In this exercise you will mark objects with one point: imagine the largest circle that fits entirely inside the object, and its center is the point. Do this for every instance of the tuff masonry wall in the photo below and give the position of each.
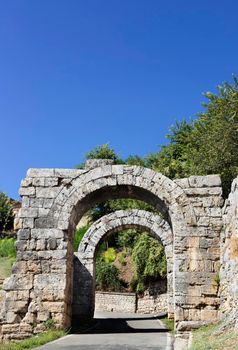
(151, 302)
(229, 259)
(203, 247)
(54, 200)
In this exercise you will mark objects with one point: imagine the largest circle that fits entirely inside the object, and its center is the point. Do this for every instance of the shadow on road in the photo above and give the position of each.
(118, 325)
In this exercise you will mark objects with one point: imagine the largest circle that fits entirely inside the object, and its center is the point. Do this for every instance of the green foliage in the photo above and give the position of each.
(107, 276)
(103, 152)
(109, 255)
(171, 159)
(7, 248)
(136, 160)
(127, 238)
(149, 261)
(140, 287)
(217, 279)
(208, 145)
(6, 215)
(121, 257)
(100, 250)
(6, 268)
(78, 236)
(214, 336)
(49, 324)
(169, 324)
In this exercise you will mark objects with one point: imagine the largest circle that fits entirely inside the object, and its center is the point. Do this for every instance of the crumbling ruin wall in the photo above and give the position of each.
(229, 259)
(53, 201)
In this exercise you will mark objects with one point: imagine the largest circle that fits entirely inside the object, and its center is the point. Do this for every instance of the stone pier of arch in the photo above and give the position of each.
(54, 200)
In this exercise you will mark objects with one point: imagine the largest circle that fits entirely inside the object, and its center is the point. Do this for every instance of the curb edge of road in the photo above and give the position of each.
(170, 337)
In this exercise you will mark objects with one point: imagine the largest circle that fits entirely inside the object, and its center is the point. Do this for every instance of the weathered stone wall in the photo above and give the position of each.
(198, 254)
(229, 258)
(116, 302)
(151, 302)
(154, 300)
(54, 200)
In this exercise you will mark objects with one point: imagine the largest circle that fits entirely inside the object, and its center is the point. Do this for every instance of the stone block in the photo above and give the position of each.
(40, 244)
(33, 172)
(20, 267)
(47, 192)
(26, 255)
(36, 202)
(51, 181)
(38, 181)
(18, 282)
(26, 182)
(41, 233)
(28, 213)
(27, 191)
(45, 222)
(55, 306)
(23, 234)
(43, 316)
(27, 223)
(209, 315)
(26, 328)
(18, 306)
(52, 243)
(205, 181)
(10, 328)
(12, 317)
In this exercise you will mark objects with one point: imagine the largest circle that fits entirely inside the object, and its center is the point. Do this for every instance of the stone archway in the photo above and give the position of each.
(84, 274)
(54, 200)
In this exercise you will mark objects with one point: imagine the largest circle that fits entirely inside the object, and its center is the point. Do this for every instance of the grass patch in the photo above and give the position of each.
(35, 341)
(7, 247)
(212, 338)
(6, 267)
(169, 324)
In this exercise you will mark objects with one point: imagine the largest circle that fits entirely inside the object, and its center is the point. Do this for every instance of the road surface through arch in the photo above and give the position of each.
(117, 331)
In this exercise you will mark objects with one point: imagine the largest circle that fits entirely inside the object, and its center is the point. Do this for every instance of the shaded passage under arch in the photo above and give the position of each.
(84, 263)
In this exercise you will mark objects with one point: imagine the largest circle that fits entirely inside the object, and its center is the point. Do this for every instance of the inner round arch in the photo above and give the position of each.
(154, 225)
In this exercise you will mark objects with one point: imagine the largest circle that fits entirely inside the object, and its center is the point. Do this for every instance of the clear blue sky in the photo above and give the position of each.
(79, 73)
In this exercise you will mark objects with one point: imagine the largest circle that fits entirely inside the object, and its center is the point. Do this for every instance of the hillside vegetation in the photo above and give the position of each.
(214, 337)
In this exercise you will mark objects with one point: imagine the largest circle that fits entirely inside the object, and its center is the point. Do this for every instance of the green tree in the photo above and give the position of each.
(103, 152)
(208, 144)
(149, 261)
(214, 137)
(6, 214)
(171, 160)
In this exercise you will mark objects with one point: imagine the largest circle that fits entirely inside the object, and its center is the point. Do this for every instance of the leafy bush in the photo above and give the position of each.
(107, 276)
(6, 214)
(127, 238)
(109, 255)
(121, 257)
(149, 261)
(100, 250)
(7, 247)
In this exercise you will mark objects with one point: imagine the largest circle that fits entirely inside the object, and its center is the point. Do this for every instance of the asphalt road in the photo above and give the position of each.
(114, 331)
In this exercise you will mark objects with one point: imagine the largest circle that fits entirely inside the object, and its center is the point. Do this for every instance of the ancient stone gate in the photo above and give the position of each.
(54, 200)
(84, 265)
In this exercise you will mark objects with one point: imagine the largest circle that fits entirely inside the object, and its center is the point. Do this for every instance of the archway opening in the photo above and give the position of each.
(130, 222)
